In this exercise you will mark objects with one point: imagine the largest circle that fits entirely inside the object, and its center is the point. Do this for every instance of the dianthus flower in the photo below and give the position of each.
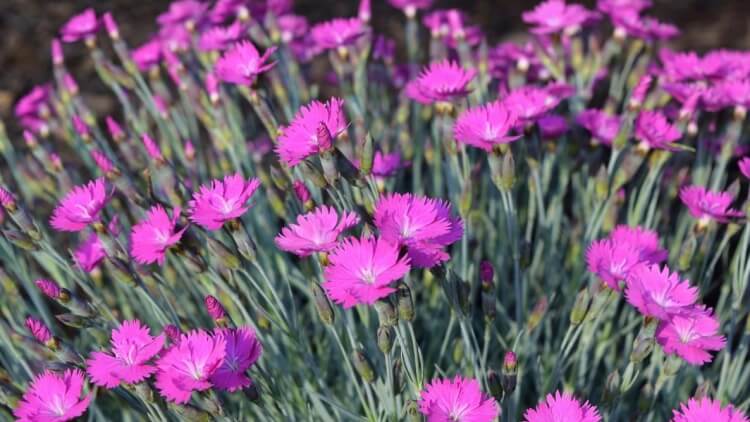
(49, 287)
(316, 231)
(460, 399)
(224, 10)
(612, 261)
(562, 407)
(440, 82)
(659, 293)
(361, 271)
(189, 364)
(181, 12)
(743, 164)
(705, 409)
(54, 397)
(485, 126)
(614, 7)
(629, 22)
(552, 126)
(654, 131)
(452, 26)
(152, 148)
(385, 165)
(151, 238)
(300, 139)
(242, 63)
(691, 335)
(89, 253)
(81, 26)
(338, 32)
(223, 200)
(555, 16)
(80, 207)
(603, 127)
(645, 241)
(242, 351)
(220, 37)
(706, 205)
(147, 55)
(423, 225)
(38, 330)
(132, 348)
(529, 103)
(410, 7)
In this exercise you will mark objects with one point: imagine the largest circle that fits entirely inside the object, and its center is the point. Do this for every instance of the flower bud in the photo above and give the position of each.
(536, 315)
(386, 335)
(486, 272)
(580, 307)
(21, 240)
(223, 254)
(41, 333)
(411, 412)
(364, 12)
(368, 154)
(252, 393)
(405, 303)
(386, 313)
(111, 26)
(363, 366)
(172, 332)
(189, 150)
(687, 250)
(58, 58)
(510, 372)
(495, 385)
(322, 304)
(508, 171)
(114, 129)
(612, 386)
(705, 389)
(52, 290)
(216, 310)
(7, 200)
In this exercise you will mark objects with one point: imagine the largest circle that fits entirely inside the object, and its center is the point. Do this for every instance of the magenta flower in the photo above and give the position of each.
(485, 126)
(614, 7)
(644, 240)
(181, 12)
(705, 409)
(743, 164)
(102, 161)
(440, 82)
(460, 399)
(423, 225)
(148, 55)
(34, 103)
(81, 26)
(336, 33)
(385, 165)
(220, 37)
(659, 293)
(54, 397)
(603, 127)
(562, 407)
(612, 261)
(301, 191)
(189, 364)
(242, 351)
(300, 139)
(39, 330)
(150, 239)
(554, 16)
(410, 7)
(361, 271)
(152, 148)
(552, 126)
(631, 23)
(90, 253)
(114, 129)
(222, 200)
(242, 63)
(132, 348)
(654, 131)
(691, 335)
(80, 207)
(316, 231)
(529, 103)
(706, 205)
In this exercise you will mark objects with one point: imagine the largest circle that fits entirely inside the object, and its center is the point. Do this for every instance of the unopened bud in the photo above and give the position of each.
(368, 154)
(363, 366)
(405, 303)
(252, 393)
(386, 335)
(495, 385)
(580, 307)
(508, 171)
(111, 26)
(704, 390)
(486, 272)
(52, 290)
(411, 412)
(216, 310)
(40, 332)
(172, 332)
(536, 315)
(322, 304)
(510, 372)
(223, 254)
(612, 385)
(687, 250)
(386, 313)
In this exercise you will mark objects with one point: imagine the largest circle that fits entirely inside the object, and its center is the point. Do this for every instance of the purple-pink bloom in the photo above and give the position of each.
(114, 129)
(34, 103)
(80, 207)
(460, 399)
(54, 397)
(242, 63)
(743, 164)
(706, 205)
(631, 23)
(442, 81)
(152, 148)
(691, 335)
(220, 37)
(410, 7)
(654, 131)
(90, 253)
(603, 127)
(552, 126)
(102, 161)
(659, 293)
(562, 407)
(7, 199)
(181, 12)
(361, 271)
(555, 16)
(300, 139)
(242, 351)
(81, 26)
(111, 25)
(132, 348)
(486, 126)
(339, 32)
(612, 261)
(644, 240)
(316, 231)
(386, 165)
(613, 7)
(223, 200)
(150, 239)
(423, 225)
(529, 103)
(705, 409)
(38, 329)
(147, 55)
(189, 364)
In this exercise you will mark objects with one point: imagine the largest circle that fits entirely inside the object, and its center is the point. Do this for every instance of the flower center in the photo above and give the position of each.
(194, 369)
(367, 275)
(57, 406)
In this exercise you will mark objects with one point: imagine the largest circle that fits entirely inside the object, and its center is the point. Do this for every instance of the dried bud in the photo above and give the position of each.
(216, 310)
(386, 313)
(405, 303)
(704, 389)
(510, 372)
(322, 304)
(386, 335)
(52, 290)
(612, 385)
(363, 366)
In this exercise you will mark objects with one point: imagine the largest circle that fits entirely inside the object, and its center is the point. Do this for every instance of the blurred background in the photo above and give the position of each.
(29, 25)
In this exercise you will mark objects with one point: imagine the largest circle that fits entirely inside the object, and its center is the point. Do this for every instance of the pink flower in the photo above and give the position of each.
(300, 139)
(152, 148)
(54, 397)
(552, 126)
(38, 329)
(242, 350)
(631, 23)
(744, 166)
(659, 293)
(562, 407)
(81, 26)
(111, 25)
(222, 200)
(182, 11)
(460, 399)
(529, 103)
(617, 6)
(485, 126)
(151, 238)
(147, 55)
(50, 288)
(386, 165)
(452, 26)
(33, 103)
(242, 63)
(691, 335)
(189, 364)
(411, 6)
(707, 205)
(361, 271)
(441, 81)
(80, 207)
(220, 37)
(555, 16)
(114, 129)
(132, 348)
(705, 409)
(339, 32)
(423, 225)
(316, 231)
(102, 161)
(603, 127)
(612, 261)
(654, 131)
(644, 240)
